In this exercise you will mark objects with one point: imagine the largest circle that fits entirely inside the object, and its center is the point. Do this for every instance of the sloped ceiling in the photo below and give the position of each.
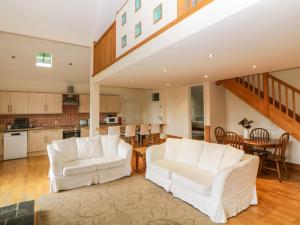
(73, 21)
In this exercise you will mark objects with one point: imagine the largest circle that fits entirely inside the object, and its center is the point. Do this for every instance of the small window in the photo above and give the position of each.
(157, 14)
(124, 18)
(138, 5)
(124, 41)
(44, 60)
(138, 29)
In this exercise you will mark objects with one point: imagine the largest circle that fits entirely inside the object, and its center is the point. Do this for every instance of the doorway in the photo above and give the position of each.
(197, 112)
(130, 112)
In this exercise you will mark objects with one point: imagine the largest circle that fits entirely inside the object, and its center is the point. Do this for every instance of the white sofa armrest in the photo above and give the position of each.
(155, 152)
(235, 179)
(54, 160)
(124, 150)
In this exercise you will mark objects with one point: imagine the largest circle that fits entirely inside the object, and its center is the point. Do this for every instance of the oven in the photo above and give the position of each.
(71, 133)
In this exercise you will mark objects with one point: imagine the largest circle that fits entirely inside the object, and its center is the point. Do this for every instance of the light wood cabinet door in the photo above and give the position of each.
(113, 104)
(103, 104)
(85, 132)
(37, 141)
(53, 135)
(54, 103)
(1, 143)
(84, 103)
(37, 103)
(19, 102)
(4, 102)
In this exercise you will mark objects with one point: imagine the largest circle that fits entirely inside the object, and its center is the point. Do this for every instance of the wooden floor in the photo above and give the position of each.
(279, 203)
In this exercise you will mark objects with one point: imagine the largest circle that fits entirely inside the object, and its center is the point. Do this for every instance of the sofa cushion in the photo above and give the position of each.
(66, 149)
(88, 147)
(164, 168)
(190, 152)
(231, 157)
(211, 157)
(172, 148)
(79, 167)
(197, 180)
(109, 144)
(108, 162)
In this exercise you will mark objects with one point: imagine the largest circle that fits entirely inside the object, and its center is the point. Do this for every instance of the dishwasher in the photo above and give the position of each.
(15, 145)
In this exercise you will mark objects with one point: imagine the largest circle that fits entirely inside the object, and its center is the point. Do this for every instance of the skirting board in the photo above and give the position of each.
(40, 153)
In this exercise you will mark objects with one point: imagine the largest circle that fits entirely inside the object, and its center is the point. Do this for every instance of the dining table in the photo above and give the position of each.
(260, 143)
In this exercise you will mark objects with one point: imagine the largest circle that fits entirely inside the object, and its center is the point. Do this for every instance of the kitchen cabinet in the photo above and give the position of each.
(37, 103)
(84, 104)
(14, 102)
(39, 139)
(45, 103)
(84, 131)
(53, 103)
(113, 103)
(1, 145)
(4, 102)
(110, 104)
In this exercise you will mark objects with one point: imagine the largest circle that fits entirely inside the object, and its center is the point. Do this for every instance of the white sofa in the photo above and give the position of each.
(218, 180)
(77, 162)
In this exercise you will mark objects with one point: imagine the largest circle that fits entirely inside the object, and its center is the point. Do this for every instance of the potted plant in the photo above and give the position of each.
(246, 125)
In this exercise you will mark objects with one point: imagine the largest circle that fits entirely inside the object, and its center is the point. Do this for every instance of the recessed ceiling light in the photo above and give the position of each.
(210, 55)
(205, 76)
(70, 64)
(167, 84)
(165, 70)
(254, 66)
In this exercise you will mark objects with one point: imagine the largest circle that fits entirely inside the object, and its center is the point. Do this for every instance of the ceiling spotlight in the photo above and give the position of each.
(210, 55)
(168, 85)
(205, 76)
(254, 66)
(70, 64)
(165, 70)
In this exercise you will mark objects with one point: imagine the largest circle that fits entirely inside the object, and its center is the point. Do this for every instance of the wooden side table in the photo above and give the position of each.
(140, 153)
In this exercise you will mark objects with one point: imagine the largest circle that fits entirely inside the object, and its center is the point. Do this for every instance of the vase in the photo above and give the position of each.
(246, 133)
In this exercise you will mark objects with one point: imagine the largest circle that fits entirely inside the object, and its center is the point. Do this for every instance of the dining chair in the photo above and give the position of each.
(143, 132)
(278, 156)
(114, 130)
(259, 134)
(154, 131)
(234, 140)
(129, 133)
(220, 135)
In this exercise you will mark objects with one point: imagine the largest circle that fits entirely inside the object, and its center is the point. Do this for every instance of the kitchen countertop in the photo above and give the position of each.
(43, 128)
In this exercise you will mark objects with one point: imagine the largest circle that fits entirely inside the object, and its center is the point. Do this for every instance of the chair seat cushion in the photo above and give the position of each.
(164, 168)
(79, 167)
(197, 180)
(108, 162)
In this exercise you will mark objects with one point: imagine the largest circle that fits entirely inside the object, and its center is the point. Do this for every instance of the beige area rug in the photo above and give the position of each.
(128, 201)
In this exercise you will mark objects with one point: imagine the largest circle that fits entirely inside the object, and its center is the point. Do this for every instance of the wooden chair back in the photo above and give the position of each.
(282, 145)
(220, 135)
(234, 140)
(260, 134)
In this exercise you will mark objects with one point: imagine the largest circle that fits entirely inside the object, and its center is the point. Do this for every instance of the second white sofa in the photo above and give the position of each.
(218, 180)
(77, 162)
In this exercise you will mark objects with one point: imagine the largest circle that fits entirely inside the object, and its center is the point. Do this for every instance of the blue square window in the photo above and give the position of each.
(138, 5)
(138, 29)
(157, 14)
(124, 41)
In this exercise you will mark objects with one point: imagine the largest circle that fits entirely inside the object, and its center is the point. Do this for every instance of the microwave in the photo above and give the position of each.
(111, 119)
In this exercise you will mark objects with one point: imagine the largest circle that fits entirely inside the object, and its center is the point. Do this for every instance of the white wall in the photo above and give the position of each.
(236, 110)
(144, 15)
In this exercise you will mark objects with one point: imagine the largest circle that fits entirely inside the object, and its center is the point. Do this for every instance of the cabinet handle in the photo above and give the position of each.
(8, 108)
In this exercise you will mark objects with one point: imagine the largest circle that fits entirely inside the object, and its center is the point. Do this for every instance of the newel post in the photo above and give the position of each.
(266, 93)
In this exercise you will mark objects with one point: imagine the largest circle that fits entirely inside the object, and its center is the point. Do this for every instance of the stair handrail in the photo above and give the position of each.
(284, 83)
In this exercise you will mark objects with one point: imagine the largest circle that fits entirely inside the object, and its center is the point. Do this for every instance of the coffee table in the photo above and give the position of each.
(140, 153)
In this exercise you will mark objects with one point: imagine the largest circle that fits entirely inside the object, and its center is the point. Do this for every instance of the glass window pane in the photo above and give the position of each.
(124, 18)
(138, 29)
(157, 14)
(138, 5)
(124, 41)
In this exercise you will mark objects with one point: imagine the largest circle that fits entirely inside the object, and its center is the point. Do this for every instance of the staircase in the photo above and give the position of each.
(275, 99)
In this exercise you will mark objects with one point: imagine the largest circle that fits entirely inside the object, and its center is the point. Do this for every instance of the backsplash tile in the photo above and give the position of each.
(69, 117)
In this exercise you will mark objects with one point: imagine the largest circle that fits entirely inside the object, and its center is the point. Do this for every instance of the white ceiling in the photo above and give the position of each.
(265, 34)
(73, 21)
(25, 50)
